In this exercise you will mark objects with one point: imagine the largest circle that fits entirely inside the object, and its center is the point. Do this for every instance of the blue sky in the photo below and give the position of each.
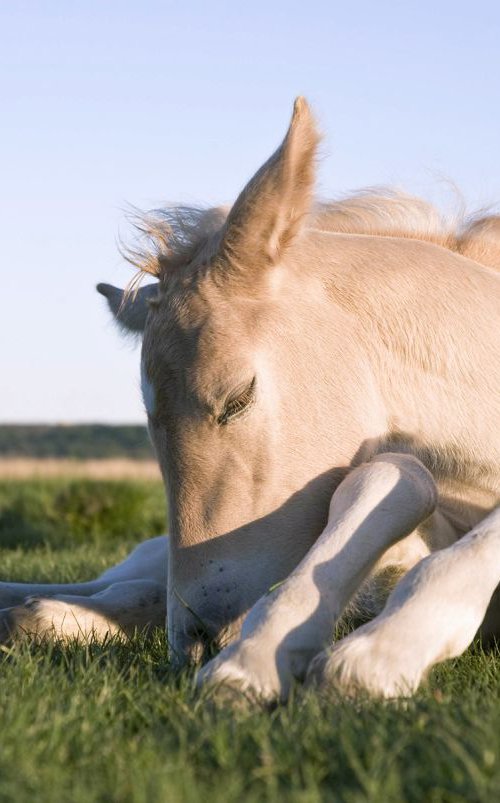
(109, 103)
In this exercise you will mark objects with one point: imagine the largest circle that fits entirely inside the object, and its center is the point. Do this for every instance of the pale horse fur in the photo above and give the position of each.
(292, 351)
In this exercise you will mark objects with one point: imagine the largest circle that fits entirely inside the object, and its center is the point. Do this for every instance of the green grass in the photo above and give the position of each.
(115, 723)
(64, 512)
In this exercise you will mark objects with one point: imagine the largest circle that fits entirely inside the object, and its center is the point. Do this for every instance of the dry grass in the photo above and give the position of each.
(112, 469)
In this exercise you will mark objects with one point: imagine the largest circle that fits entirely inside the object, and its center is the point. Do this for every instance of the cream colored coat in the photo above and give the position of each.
(292, 351)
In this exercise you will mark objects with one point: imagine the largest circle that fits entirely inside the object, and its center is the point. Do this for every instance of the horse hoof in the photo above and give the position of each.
(358, 667)
(230, 677)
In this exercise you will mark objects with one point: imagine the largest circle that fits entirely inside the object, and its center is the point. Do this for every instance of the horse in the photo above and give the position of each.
(321, 382)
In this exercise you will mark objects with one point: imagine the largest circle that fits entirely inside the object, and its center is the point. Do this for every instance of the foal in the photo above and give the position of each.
(322, 390)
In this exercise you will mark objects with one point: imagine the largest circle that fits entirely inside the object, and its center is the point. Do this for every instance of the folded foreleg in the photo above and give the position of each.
(120, 610)
(148, 561)
(433, 614)
(376, 505)
(127, 597)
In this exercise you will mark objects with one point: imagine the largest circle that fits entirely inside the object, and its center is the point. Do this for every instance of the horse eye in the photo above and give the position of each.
(237, 405)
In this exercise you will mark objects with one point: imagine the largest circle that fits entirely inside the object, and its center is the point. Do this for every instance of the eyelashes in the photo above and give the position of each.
(237, 405)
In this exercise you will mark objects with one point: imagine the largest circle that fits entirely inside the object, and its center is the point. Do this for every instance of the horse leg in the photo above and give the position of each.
(146, 561)
(121, 609)
(433, 614)
(375, 506)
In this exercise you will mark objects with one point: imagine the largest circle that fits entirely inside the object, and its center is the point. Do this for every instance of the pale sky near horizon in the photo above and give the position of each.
(105, 104)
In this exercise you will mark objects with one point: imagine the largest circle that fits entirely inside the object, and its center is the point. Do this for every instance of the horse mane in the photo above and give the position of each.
(391, 213)
(172, 237)
(166, 239)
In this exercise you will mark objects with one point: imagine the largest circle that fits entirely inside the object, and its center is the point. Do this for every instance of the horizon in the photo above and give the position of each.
(106, 106)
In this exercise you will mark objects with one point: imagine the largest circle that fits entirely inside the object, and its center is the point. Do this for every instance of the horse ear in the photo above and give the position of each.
(129, 313)
(268, 213)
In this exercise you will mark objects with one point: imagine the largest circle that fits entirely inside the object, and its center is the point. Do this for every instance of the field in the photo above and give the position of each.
(114, 723)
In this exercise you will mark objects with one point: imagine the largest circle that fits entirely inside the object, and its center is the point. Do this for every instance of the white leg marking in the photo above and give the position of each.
(376, 505)
(433, 614)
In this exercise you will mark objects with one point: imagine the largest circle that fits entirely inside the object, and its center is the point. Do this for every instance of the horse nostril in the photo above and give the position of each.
(186, 648)
(199, 644)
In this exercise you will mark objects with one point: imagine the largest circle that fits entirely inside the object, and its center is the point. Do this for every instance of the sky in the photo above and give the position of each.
(106, 104)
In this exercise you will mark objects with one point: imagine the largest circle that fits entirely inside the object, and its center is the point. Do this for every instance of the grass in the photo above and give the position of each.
(115, 723)
(62, 512)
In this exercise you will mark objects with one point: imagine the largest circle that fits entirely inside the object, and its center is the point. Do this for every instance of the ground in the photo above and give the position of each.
(115, 723)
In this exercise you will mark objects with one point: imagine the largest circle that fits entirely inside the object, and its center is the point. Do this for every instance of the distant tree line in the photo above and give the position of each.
(81, 441)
